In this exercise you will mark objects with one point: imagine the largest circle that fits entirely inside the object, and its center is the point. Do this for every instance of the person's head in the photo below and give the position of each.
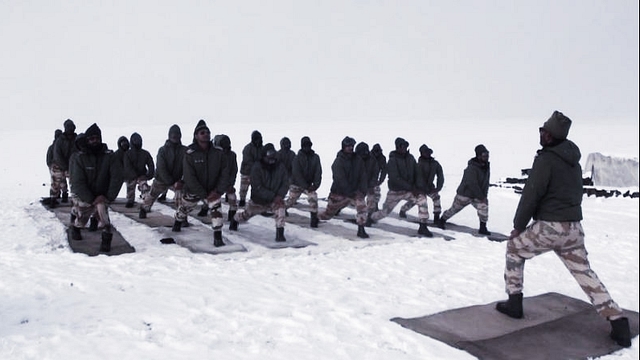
(425, 151)
(136, 141)
(482, 153)
(269, 153)
(69, 126)
(224, 142)
(362, 149)
(285, 143)
(175, 134)
(94, 137)
(555, 130)
(201, 134)
(402, 145)
(376, 150)
(306, 144)
(347, 144)
(256, 138)
(81, 142)
(123, 143)
(56, 134)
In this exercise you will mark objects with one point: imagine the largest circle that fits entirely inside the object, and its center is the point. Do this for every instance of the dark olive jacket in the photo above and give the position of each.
(63, 147)
(402, 171)
(306, 170)
(430, 169)
(204, 171)
(169, 167)
(94, 174)
(251, 154)
(138, 163)
(349, 175)
(475, 180)
(268, 181)
(553, 191)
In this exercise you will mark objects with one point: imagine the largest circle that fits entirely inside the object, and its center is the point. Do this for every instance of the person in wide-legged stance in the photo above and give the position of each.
(473, 189)
(306, 176)
(552, 197)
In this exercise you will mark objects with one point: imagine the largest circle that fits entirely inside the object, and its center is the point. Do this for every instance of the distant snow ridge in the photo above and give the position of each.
(612, 171)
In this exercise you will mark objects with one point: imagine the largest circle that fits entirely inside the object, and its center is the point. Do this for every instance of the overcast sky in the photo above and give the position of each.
(118, 62)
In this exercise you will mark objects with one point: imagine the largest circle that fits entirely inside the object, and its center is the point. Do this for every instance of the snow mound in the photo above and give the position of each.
(612, 171)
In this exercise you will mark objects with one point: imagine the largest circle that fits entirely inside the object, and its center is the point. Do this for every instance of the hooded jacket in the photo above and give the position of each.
(204, 171)
(475, 180)
(138, 162)
(306, 170)
(429, 169)
(95, 173)
(169, 162)
(251, 154)
(268, 181)
(63, 147)
(401, 171)
(553, 191)
(349, 176)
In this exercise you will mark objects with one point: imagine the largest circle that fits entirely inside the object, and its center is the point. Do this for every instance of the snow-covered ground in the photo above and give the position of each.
(330, 301)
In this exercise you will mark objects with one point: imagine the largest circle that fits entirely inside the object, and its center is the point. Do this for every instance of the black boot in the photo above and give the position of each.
(402, 214)
(361, 233)
(369, 221)
(72, 218)
(129, 204)
(483, 229)
(65, 197)
(75, 233)
(162, 197)
(280, 234)
(203, 211)
(620, 332)
(217, 238)
(185, 223)
(93, 224)
(241, 203)
(436, 217)
(53, 202)
(441, 222)
(424, 230)
(177, 226)
(231, 214)
(105, 246)
(143, 213)
(511, 307)
(314, 220)
(233, 224)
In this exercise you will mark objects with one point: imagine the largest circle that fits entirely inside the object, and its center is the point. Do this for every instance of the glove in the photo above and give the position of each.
(178, 185)
(99, 200)
(278, 200)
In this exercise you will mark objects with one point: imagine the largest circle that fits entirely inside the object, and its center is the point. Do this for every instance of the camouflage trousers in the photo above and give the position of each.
(143, 187)
(460, 202)
(338, 202)
(437, 206)
(157, 189)
(373, 199)
(294, 194)
(59, 182)
(394, 197)
(566, 239)
(252, 209)
(189, 201)
(245, 181)
(83, 211)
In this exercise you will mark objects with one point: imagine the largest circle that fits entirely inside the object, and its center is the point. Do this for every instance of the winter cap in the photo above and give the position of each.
(57, 133)
(200, 126)
(93, 130)
(481, 149)
(305, 141)
(376, 148)
(81, 141)
(348, 141)
(401, 142)
(123, 140)
(558, 125)
(175, 129)
(424, 149)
